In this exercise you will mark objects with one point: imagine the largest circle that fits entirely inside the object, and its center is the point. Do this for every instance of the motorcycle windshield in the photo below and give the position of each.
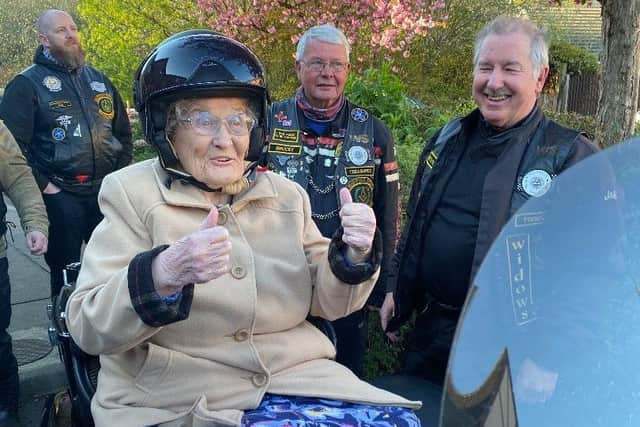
(550, 331)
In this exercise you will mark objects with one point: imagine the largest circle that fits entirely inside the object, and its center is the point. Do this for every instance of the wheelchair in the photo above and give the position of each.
(82, 368)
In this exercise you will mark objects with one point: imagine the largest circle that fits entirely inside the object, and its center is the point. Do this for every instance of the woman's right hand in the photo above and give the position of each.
(197, 258)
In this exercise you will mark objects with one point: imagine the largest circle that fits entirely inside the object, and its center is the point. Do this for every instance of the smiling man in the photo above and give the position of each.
(73, 128)
(472, 176)
(324, 143)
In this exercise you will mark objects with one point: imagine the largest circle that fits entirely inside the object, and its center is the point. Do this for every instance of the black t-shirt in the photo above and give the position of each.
(448, 243)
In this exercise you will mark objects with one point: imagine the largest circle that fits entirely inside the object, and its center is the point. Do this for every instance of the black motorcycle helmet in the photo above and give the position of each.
(197, 64)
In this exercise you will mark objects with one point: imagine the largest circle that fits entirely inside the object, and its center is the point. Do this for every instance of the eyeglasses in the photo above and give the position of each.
(207, 124)
(318, 66)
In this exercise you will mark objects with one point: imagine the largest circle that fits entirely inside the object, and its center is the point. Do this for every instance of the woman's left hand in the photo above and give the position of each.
(359, 225)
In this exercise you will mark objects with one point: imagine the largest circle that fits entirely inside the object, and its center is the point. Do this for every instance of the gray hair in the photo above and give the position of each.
(502, 25)
(326, 33)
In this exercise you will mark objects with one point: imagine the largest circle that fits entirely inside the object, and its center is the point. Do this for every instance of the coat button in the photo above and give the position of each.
(259, 380)
(238, 272)
(222, 218)
(241, 335)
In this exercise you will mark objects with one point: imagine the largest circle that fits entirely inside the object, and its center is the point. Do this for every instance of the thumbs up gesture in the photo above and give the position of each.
(359, 225)
(196, 258)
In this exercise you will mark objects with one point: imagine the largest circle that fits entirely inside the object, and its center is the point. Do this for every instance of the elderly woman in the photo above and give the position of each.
(195, 288)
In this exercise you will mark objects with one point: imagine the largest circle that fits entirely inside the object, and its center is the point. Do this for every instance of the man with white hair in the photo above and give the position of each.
(472, 176)
(323, 142)
(72, 126)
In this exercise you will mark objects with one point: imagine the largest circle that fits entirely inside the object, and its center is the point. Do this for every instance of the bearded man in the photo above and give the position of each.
(73, 128)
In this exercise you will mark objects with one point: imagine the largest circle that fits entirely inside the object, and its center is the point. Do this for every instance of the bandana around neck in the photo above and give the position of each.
(318, 114)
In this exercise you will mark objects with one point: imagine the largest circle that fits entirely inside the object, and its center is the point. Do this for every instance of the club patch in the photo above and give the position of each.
(358, 155)
(287, 136)
(359, 115)
(536, 182)
(361, 190)
(58, 134)
(360, 171)
(98, 86)
(105, 105)
(285, 149)
(60, 104)
(52, 83)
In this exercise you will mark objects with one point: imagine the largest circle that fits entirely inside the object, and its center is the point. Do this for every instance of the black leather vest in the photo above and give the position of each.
(544, 157)
(73, 143)
(353, 158)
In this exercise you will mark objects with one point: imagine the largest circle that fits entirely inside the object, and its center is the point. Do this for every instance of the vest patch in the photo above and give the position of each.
(360, 171)
(282, 135)
(361, 190)
(52, 83)
(286, 149)
(60, 104)
(105, 105)
(431, 159)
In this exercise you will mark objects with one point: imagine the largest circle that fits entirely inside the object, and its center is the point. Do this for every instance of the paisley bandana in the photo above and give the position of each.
(318, 114)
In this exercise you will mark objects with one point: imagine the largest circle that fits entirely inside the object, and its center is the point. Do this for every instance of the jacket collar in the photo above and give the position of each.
(40, 58)
(178, 193)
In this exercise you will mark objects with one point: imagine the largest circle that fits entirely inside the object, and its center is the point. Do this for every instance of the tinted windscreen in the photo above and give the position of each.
(550, 333)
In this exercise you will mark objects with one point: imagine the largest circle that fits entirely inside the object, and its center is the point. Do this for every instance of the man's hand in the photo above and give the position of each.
(387, 311)
(37, 242)
(51, 188)
(359, 225)
(197, 258)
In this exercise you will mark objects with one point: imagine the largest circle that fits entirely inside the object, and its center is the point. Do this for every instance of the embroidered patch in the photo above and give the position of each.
(360, 171)
(105, 105)
(289, 136)
(431, 159)
(60, 104)
(58, 134)
(361, 190)
(360, 139)
(357, 155)
(98, 86)
(286, 149)
(52, 83)
(359, 115)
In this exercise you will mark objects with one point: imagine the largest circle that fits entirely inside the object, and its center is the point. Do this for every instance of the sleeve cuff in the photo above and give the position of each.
(353, 274)
(154, 309)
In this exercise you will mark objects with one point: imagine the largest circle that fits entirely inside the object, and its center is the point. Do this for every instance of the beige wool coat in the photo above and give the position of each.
(246, 332)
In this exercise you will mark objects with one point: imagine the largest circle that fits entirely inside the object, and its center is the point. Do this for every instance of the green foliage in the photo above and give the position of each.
(446, 56)
(19, 34)
(383, 357)
(142, 152)
(578, 60)
(383, 93)
(586, 124)
(119, 33)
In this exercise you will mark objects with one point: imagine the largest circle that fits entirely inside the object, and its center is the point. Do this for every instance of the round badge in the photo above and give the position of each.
(343, 180)
(359, 115)
(358, 155)
(58, 134)
(52, 83)
(536, 182)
